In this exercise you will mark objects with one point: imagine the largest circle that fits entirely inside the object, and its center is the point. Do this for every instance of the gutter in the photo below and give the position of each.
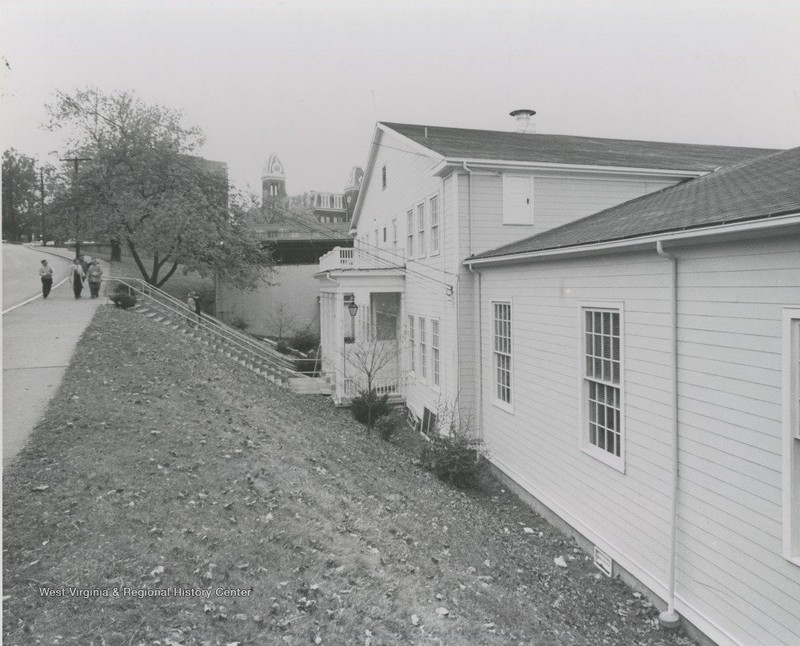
(669, 618)
(583, 168)
(642, 242)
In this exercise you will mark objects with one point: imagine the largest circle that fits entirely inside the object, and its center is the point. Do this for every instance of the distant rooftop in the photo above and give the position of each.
(460, 143)
(752, 190)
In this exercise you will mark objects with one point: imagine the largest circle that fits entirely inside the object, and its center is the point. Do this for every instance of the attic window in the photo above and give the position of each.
(383, 177)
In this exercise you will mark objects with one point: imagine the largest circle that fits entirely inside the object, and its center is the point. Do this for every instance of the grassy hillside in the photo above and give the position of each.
(162, 471)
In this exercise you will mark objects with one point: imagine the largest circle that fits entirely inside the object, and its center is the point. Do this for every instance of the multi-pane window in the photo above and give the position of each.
(383, 177)
(410, 230)
(423, 349)
(434, 209)
(791, 436)
(435, 361)
(603, 393)
(421, 229)
(412, 346)
(502, 352)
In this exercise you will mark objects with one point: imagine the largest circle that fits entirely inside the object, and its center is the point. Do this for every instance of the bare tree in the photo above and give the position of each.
(281, 319)
(370, 361)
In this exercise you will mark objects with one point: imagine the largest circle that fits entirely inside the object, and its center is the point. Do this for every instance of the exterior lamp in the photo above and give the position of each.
(353, 309)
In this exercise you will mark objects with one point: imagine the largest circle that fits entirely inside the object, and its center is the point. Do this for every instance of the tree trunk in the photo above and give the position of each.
(116, 251)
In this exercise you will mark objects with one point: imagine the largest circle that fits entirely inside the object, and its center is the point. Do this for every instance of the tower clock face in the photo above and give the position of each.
(277, 169)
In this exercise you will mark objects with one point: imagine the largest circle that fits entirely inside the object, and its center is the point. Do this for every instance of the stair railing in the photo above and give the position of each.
(236, 340)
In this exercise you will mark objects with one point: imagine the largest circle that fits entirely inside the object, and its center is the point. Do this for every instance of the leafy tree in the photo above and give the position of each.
(143, 186)
(20, 195)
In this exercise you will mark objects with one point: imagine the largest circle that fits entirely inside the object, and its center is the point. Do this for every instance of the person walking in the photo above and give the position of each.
(77, 276)
(95, 277)
(193, 301)
(84, 265)
(46, 274)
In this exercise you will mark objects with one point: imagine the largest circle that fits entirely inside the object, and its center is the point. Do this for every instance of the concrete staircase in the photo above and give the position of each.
(229, 342)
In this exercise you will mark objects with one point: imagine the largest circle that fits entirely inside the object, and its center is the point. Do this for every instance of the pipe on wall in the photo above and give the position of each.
(670, 618)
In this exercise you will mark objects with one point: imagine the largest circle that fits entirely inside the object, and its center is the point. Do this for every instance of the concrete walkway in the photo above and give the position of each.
(39, 339)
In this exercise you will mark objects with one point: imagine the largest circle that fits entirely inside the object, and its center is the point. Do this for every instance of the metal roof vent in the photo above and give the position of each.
(524, 119)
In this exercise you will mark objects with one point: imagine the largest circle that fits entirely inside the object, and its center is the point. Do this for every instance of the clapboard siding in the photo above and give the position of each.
(409, 183)
(733, 581)
(557, 200)
(731, 298)
(541, 438)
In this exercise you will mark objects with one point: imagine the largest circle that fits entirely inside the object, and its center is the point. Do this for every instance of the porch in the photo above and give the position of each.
(361, 334)
(362, 258)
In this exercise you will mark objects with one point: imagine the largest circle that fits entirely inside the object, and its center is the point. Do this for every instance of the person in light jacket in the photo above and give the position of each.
(77, 277)
(46, 274)
(95, 277)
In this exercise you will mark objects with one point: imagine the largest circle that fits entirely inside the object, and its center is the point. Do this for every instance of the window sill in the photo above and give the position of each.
(605, 457)
(504, 406)
(795, 560)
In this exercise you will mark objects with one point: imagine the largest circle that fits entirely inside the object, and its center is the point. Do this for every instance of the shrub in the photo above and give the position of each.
(456, 458)
(304, 340)
(368, 406)
(282, 347)
(387, 425)
(239, 323)
(123, 299)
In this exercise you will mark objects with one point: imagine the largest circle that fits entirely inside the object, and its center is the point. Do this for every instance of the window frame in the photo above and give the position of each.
(394, 232)
(595, 451)
(790, 396)
(422, 249)
(384, 179)
(410, 234)
(412, 346)
(507, 406)
(436, 357)
(422, 342)
(435, 229)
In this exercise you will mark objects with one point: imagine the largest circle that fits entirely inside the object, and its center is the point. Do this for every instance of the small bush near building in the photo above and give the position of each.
(239, 323)
(387, 425)
(282, 347)
(368, 406)
(123, 299)
(455, 458)
(305, 341)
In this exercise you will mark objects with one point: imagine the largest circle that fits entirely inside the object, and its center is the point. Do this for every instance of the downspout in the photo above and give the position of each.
(476, 297)
(469, 211)
(670, 618)
(476, 306)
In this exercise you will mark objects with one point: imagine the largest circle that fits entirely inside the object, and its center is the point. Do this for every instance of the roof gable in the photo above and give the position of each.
(464, 144)
(758, 189)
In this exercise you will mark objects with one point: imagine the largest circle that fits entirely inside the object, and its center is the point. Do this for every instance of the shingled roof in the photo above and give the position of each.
(491, 145)
(759, 189)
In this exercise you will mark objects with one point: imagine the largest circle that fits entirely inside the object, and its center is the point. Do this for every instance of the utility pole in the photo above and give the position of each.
(41, 186)
(76, 161)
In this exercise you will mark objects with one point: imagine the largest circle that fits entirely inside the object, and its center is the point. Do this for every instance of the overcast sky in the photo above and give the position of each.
(308, 80)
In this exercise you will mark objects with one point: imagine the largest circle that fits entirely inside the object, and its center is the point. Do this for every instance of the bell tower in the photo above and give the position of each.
(352, 189)
(273, 179)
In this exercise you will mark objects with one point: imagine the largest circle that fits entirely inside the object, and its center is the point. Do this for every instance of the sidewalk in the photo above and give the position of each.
(38, 341)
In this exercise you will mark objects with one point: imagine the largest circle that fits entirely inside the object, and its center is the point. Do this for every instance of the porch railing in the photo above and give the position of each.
(341, 258)
(388, 385)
